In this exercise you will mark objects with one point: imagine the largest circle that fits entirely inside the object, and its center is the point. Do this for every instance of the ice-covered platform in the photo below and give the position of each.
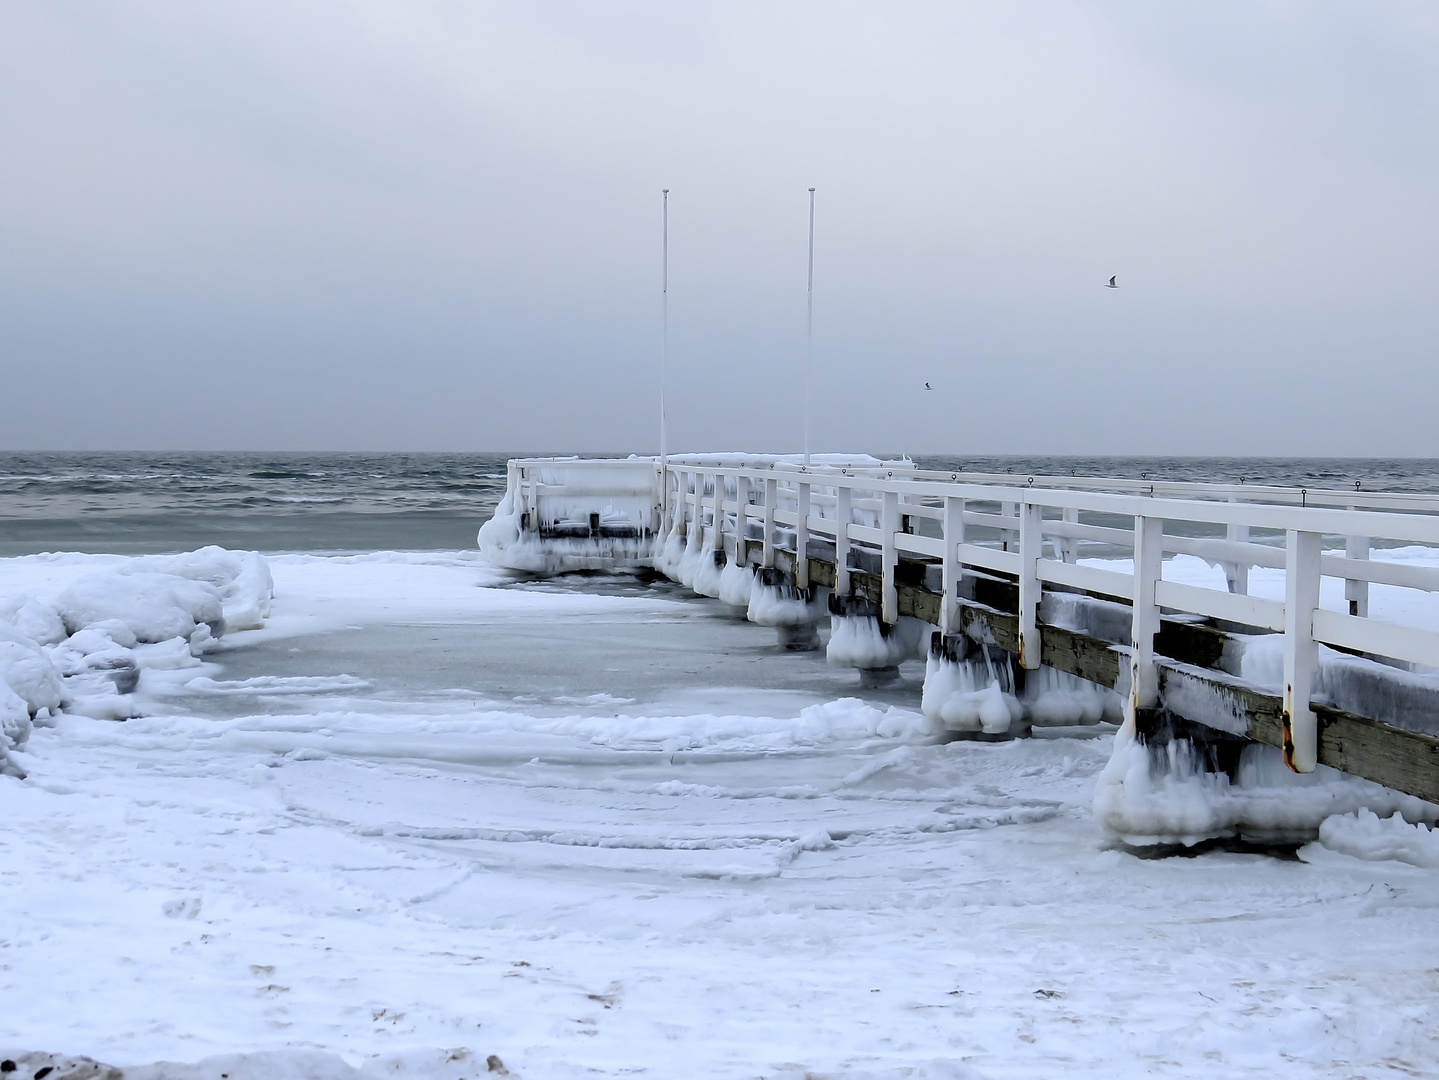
(1212, 621)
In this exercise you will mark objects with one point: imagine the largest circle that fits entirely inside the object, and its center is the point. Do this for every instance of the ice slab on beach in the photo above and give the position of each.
(77, 630)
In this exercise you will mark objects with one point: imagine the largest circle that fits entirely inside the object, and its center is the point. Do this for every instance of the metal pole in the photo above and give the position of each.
(665, 355)
(809, 330)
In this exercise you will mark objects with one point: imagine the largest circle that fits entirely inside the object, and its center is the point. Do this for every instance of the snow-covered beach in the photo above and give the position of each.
(422, 816)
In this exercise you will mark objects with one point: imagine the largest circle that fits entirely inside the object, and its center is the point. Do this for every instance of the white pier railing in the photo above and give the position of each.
(1033, 529)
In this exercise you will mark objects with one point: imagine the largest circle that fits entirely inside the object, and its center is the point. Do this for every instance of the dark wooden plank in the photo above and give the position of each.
(1079, 654)
(1404, 760)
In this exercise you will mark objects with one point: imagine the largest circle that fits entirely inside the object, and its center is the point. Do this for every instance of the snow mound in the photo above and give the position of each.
(1365, 835)
(82, 649)
(153, 607)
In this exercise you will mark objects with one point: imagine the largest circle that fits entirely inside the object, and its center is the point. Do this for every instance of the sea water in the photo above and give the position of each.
(339, 502)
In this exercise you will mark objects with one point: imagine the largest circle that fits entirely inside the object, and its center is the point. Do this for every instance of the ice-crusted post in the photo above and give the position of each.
(1069, 545)
(1356, 592)
(1031, 541)
(741, 518)
(953, 526)
(677, 507)
(771, 496)
(532, 497)
(889, 556)
(692, 538)
(1148, 567)
(843, 514)
(1237, 572)
(717, 514)
(1301, 653)
(801, 540)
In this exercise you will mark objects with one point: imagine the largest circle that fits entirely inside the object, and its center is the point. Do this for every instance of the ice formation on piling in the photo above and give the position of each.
(970, 695)
(1166, 794)
(861, 641)
(736, 584)
(779, 605)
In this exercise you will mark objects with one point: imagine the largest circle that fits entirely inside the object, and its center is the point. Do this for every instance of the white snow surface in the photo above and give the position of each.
(335, 877)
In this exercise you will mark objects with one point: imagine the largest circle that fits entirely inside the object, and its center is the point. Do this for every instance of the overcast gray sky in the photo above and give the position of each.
(436, 225)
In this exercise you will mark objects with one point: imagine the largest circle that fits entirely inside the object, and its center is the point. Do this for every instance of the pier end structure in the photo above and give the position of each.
(1042, 599)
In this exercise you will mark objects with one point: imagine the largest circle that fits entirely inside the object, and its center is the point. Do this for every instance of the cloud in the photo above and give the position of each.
(436, 225)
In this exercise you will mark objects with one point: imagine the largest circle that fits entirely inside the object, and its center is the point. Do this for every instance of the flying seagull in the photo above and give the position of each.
(1112, 283)
(928, 387)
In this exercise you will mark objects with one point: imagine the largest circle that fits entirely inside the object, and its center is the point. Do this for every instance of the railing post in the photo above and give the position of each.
(1357, 592)
(678, 507)
(889, 556)
(1069, 545)
(1301, 653)
(771, 496)
(692, 537)
(741, 518)
(953, 529)
(1006, 536)
(843, 515)
(532, 499)
(1031, 540)
(1237, 573)
(1148, 568)
(717, 515)
(801, 539)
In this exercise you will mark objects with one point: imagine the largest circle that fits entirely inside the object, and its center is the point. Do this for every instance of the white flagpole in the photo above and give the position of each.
(665, 357)
(809, 331)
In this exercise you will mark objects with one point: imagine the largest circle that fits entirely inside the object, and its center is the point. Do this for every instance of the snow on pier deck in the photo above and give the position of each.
(1227, 615)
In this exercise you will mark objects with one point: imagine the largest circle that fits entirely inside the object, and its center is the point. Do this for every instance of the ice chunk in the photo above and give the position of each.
(155, 607)
(1366, 835)
(34, 618)
(83, 649)
(28, 683)
(28, 672)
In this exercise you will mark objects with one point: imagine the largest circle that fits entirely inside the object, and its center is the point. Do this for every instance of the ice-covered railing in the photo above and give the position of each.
(1034, 533)
(562, 514)
(587, 497)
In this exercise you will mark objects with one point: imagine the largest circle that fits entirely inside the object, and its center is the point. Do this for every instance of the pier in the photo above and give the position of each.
(1034, 572)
